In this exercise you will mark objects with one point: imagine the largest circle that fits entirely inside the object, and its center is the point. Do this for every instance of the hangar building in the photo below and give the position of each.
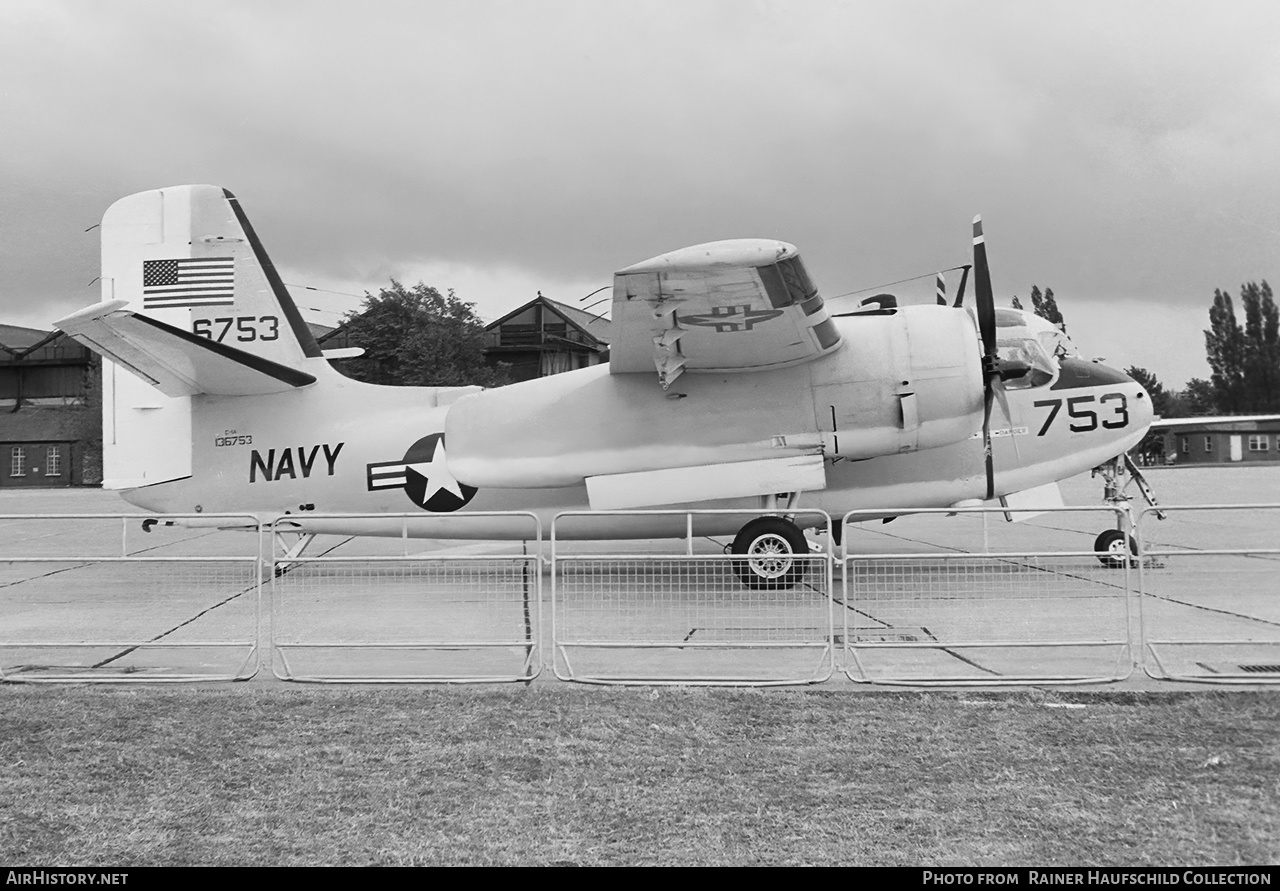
(545, 337)
(50, 410)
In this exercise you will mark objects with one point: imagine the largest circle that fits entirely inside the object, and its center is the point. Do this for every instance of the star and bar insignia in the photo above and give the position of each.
(730, 319)
(424, 475)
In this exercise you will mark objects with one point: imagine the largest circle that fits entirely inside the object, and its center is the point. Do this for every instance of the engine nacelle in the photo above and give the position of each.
(903, 380)
(907, 379)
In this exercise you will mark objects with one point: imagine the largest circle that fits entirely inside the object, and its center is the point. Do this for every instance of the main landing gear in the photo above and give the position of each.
(1116, 548)
(769, 547)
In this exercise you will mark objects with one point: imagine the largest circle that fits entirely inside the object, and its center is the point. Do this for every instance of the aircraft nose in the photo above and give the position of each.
(1141, 414)
(1123, 405)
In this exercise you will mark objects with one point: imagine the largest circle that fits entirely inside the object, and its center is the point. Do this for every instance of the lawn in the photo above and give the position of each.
(554, 774)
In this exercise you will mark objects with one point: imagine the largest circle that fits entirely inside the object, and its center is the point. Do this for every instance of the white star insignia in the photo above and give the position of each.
(436, 473)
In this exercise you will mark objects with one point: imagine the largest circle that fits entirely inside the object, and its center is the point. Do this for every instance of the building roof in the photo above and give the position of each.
(15, 339)
(34, 346)
(597, 326)
(590, 324)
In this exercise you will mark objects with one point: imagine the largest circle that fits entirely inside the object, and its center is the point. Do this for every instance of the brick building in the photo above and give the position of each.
(1224, 440)
(50, 410)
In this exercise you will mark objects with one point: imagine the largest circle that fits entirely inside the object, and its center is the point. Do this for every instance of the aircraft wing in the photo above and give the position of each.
(176, 362)
(1215, 419)
(738, 305)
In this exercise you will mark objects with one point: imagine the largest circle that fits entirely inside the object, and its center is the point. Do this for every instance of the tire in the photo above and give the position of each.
(770, 545)
(1111, 546)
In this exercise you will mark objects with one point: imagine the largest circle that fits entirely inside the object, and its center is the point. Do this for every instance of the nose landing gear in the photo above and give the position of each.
(1116, 548)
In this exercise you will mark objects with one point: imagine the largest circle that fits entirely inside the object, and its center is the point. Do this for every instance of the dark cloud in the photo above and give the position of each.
(1116, 150)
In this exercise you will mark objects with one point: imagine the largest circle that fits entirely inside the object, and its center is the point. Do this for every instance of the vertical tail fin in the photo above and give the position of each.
(189, 257)
(186, 256)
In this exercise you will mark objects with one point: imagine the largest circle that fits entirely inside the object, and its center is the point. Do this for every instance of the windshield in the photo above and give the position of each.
(1026, 341)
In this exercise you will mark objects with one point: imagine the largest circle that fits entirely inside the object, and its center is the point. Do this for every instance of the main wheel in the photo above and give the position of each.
(770, 546)
(1115, 548)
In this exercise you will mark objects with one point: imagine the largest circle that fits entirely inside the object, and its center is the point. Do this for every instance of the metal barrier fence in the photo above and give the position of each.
(378, 613)
(621, 615)
(91, 598)
(1011, 607)
(1210, 581)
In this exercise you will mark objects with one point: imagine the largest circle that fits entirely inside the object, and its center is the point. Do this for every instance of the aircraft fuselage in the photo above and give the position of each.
(342, 446)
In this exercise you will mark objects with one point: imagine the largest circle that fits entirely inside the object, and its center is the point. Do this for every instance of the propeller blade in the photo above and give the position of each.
(986, 442)
(986, 304)
(1002, 399)
(940, 285)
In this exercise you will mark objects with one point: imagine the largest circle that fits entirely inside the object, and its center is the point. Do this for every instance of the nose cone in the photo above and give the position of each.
(1141, 412)
(1123, 407)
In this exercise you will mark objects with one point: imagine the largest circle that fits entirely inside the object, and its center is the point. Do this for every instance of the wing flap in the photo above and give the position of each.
(708, 482)
(177, 362)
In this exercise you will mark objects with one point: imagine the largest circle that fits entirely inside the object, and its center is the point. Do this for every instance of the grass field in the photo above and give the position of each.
(563, 775)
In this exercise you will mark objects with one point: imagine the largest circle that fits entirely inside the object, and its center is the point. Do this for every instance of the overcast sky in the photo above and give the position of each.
(1122, 153)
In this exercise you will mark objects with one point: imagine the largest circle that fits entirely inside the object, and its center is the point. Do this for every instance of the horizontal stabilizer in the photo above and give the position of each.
(177, 362)
(708, 482)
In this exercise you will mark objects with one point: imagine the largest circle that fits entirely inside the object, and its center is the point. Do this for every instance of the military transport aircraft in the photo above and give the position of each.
(729, 385)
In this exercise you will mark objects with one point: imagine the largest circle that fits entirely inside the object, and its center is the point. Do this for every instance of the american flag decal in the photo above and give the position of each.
(199, 281)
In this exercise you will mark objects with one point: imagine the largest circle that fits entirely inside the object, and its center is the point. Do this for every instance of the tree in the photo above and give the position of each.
(1244, 361)
(1046, 307)
(1261, 348)
(1224, 349)
(419, 337)
(1017, 304)
(1198, 398)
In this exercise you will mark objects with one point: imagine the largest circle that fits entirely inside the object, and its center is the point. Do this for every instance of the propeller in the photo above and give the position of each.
(986, 309)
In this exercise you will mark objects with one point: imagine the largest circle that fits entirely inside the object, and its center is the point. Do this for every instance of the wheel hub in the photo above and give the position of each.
(770, 556)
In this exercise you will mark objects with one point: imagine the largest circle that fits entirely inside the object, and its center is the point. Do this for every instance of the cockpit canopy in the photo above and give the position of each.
(1029, 348)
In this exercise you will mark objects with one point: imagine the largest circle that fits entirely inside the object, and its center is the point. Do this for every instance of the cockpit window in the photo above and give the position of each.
(1024, 363)
(1009, 318)
(1026, 341)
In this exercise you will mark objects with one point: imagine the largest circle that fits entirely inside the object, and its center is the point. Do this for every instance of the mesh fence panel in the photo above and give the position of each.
(1210, 584)
(639, 618)
(1046, 613)
(91, 598)
(407, 619)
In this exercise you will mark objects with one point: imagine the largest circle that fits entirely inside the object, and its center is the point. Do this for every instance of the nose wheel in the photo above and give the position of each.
(1115, 547)
(769, 548)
